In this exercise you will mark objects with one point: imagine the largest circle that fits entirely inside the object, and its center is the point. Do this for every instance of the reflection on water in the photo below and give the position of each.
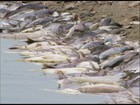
(19, 84)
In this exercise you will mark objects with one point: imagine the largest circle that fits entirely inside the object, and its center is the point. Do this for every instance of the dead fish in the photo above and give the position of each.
(43, 12)
(95, 80)
(67, 26)
(109, 22)
(13, 5)
(33, 53)
(133, 65)
(108, 28)
(3, 11)
(107, 53)
(112, 63)
(117, 31)
(32, 29)
(91, 57)
(100, 88)
(37, 14)
(49, 58)
(133, 44)
(33, 45)
(40, 21)
(13, 29)
(5, 24)
(56, 29)
(14, 23)
(99, 31)
(65, 91)
(68, 70)
(99, 49)
(134, 82)
(3, 6)
(77, 28)
(22, 35)
(78, 38)
(89, 64)
(88, 24)
(113, 39)
(92, 44)
(24, 15)
(117, 60)
(25, 7)
(66, 65)
(27, 20)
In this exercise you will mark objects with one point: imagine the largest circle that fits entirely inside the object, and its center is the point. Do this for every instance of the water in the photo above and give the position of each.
(19, 84)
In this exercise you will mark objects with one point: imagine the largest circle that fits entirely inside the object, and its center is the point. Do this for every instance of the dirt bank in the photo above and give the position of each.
(121, 11)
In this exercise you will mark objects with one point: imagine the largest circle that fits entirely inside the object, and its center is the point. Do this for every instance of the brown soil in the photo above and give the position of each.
(95, 10)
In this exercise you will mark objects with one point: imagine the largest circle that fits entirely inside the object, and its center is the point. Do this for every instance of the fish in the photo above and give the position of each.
(91, 45)
(76, 29)
(89, 64)
(49, 58)
(40, 21)
(115, 50)
(100, 88)
(32, 46)
(68, 70)
(34, 6)
(109, 22)
(95, 80)
(67, 91)
(22, 36)
(117, 60)
(133, 65)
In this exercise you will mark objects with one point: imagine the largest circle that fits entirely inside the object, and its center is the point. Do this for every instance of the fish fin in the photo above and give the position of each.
(115, 83)
(92, 65)
(29, 40)
(61, 74)
(69, 60)
(81, 54)
(11, 48)
(62, 51)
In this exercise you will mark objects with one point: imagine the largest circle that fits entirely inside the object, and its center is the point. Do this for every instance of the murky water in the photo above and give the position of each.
(19, 84)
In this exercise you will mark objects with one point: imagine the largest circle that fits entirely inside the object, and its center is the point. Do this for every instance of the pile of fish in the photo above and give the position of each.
(87, 57)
